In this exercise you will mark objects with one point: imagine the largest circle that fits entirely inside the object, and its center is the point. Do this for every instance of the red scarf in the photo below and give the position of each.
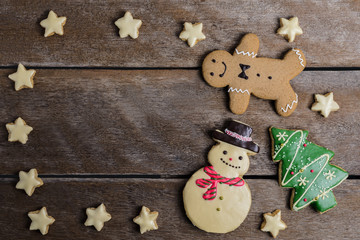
(215, 178)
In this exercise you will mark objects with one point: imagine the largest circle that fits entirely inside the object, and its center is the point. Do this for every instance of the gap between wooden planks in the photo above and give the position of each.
(91, 38)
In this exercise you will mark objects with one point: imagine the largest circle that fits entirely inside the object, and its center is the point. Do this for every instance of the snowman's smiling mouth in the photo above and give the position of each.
(229, 164)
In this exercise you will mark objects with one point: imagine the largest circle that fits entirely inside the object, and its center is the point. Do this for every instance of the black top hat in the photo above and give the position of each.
(238, 134)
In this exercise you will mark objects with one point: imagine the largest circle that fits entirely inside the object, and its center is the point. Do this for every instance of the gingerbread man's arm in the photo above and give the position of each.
(295, 62)
(249, 46)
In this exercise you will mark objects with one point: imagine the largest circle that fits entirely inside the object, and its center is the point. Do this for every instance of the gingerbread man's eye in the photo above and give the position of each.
(224, 152)
(240, 158)
(269, 77)
(213, 60)
(212, 74)
(258, 74)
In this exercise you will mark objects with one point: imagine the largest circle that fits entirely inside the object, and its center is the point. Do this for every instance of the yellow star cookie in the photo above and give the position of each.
(40, 220)
(325, 104)
(273, 223)
(128, 26)
(53, 24)
(29, 181)
(146, 220)
(97, 216)
(23, 78)
(192, 33)
(289, 28)
(18, 131)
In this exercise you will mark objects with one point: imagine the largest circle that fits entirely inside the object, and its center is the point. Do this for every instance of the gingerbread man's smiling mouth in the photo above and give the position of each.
(222, 74)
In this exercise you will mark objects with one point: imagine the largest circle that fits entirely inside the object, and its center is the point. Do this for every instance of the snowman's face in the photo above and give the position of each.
(229, 160)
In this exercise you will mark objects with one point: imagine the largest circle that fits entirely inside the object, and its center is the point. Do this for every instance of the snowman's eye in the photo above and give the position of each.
(240, 158)
(224, 152)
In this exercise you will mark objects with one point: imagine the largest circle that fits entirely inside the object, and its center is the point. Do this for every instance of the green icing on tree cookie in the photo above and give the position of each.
(305, 167)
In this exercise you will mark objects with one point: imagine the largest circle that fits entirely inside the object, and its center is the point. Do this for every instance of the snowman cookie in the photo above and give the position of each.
(216, 198)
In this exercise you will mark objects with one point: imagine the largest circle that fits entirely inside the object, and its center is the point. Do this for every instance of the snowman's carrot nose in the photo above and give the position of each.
(230, 159)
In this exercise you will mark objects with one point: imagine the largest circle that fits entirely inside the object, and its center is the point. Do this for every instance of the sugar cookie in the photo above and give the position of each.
(97, 217)
(23, 78)
(217, 198)
(192, 33)
(325, 104)
(272, 223)
(289, 28)
(18, 131)
(128, 26)
(305, 167)
(146, 220)
(53, 24)
(29, 181)
(40, 220)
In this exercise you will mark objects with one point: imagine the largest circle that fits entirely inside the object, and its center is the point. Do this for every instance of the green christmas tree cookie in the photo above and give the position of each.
(305, 167)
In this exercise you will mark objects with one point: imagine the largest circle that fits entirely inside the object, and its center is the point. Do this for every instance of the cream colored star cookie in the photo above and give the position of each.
(29, 181)
(128, 26)
(53, 24)
(325, 104)
(146, 220)
(18, 131)
(23, 78)
(289, 28)
(97, 217)
(273, 223)
(40, 220)
(192, 33)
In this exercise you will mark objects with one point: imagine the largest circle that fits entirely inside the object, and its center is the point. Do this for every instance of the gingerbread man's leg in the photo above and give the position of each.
(287, 102)
(239, 101)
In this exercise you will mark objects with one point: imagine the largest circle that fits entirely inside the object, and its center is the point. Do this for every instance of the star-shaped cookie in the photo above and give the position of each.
(29, 181)
(53, 24)
(97, 216)
(40, 220)
(18, 131)
(23, 78)
(192, 33)
(128, 26)
(273, 223)
(325, 104)
(289, 28)
(146, 220)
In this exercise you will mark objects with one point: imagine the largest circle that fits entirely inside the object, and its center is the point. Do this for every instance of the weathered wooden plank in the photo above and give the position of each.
(158, 122)
(67, 199)
(91, 39)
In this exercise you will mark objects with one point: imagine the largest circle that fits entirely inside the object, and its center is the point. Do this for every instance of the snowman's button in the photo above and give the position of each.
(221, 197)
(218, 209)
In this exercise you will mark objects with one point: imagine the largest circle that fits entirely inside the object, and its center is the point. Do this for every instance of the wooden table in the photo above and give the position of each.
(126, 122)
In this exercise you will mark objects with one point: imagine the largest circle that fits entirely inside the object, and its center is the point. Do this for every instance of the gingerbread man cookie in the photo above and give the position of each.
(247, 74)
